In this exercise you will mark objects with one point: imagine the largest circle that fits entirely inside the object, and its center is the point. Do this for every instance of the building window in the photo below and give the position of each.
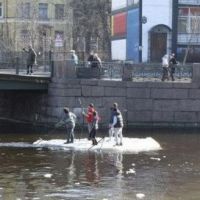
(182, 25)
(1, 10)
(189, 20)
(59, 11)
(43, 11)
(25, 10)
(133, 2)
(24, 34)
(189, 2)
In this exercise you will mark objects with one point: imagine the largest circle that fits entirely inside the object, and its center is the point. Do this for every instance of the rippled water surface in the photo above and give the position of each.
(172, 173)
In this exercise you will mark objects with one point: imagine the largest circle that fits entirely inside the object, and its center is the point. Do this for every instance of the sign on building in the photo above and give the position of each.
(59, 39)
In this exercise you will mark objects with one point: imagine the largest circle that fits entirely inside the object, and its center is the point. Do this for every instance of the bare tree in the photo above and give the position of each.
(92, 22)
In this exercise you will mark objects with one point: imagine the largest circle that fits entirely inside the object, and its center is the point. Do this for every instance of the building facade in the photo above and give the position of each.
(46, 24)
(145, 30)
(188, 31)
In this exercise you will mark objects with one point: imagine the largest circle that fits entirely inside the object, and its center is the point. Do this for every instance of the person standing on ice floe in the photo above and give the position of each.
(69, 119)
(89, 117)
(118, 126)
(94, 127)
(111, 128)
(112, 114)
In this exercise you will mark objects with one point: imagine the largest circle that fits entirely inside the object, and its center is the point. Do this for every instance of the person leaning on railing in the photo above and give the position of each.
(94, 61)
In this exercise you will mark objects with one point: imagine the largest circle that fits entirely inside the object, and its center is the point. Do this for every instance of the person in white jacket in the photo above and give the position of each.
(117, 126)
(165, 66)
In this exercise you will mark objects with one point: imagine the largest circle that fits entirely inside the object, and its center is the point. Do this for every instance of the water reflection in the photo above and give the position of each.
(91, 168)
(170, 174)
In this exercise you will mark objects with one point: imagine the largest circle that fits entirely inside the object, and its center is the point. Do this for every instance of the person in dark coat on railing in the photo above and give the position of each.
(31, 59)
(94, 61)
(97, 61)
(91, 60)
(172, 63)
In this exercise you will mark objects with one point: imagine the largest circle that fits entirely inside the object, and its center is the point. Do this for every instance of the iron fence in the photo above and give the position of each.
(138, 72)
(154, 72)
(16, 63)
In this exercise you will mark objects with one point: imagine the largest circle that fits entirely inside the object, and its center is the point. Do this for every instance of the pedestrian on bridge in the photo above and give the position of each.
(165, 66)
(74, 57)
(31, 59)
(172, 65)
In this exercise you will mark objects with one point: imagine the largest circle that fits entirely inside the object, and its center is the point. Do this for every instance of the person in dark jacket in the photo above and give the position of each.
(91, 60)
(172, 63)
(97, 61)
(112, 114)
(118, 126)
(111, 129)
(94, 60)
(31, 59)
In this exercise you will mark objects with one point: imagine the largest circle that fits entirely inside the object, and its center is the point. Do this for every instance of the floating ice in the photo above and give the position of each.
(48, 175)
(130, 145)
(140, 196)
(131, 171)
(158, 159)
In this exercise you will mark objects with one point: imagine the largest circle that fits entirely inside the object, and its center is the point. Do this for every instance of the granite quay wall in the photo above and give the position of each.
(154, 104)
(143, 104)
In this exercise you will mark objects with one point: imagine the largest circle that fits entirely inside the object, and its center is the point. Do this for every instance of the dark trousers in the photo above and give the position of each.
(92, 136)
(29, 68)
(172, 72)
(70, 134)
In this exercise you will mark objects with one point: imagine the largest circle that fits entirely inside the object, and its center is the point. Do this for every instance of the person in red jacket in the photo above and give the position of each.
(89, 117)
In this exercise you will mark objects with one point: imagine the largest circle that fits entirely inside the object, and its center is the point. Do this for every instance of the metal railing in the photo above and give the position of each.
(15, 63)
(154, 72)
(189, 2)
(138, 72)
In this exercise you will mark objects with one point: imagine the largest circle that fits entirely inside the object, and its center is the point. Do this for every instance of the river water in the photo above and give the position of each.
(172, 173)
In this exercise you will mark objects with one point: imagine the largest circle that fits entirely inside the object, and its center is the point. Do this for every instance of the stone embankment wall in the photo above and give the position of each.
(163, 104)
(155, 104)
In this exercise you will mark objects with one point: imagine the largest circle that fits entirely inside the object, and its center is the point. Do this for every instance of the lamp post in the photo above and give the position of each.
(44, 48)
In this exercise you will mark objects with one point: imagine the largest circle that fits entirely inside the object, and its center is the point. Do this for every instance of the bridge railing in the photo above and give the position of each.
(16, 63)
(138, 72)
(154, 72)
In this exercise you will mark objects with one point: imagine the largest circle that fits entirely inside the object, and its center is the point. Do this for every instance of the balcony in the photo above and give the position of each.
(192, 38)
(189, 2)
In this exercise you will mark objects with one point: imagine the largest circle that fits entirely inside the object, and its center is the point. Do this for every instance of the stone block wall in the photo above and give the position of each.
(142, 103)
(154, 104)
